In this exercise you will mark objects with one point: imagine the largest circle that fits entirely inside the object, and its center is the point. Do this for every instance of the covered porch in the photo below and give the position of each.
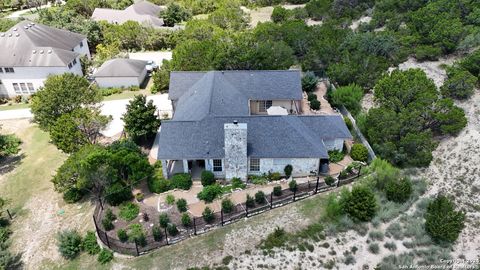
(193, 167)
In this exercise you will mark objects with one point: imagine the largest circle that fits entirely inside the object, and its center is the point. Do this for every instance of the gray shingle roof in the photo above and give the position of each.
(268, 136)
(142, 12)
(121, 67)
(227, 93)
(29, 44)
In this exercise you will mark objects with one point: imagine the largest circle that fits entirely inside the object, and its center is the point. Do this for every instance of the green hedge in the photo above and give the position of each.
(182, 181)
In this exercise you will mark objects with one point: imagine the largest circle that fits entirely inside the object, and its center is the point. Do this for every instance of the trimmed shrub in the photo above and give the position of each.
(280, 14)
(227, 206)
(348, 96)
(398, 191)
(238, 183)
(186, 220)
(139, 197)
(170, 199)
(69, 244)
(210, 193)
(129, 211)
(110, 215)
(315, 105)
(250, 201)
(208, 178)
(361, 203)
(105, 256)
(426, 52)
(442, 222)
(348, 123)
(288, 170)
(359, 152)
(335, 156)
(329, 180)
(122, 235)
(172, 229)
(157, 233)
(208, 215)
(72, 195)
(163, 219)
(136, 234)
(260, 197)
(274, 176)
(374, 248)
(292, 185)
(182, 181)
(182, 205)
(90, 244)
(459, 85)
(159, 185)
(312, 96)
(277, 191)
(309, 82)
(107, 224)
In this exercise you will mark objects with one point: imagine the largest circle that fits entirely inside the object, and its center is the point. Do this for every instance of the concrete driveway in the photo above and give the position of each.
(157, 57)
(115, 108)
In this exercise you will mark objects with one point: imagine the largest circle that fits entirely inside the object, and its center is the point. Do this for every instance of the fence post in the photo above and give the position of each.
(271, 200)
(308, 181)
(166, 236)
(136, 248)
(294, 194)
(194, 227)
(316, 187)
(106, 237)
(221, 214)
(9, 214)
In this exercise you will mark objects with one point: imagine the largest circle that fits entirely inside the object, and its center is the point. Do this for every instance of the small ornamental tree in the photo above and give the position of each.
(69, 244)
(227, 206)
(122, 235)
(398, 190)
(141, 121)
(210, 193)
(260, 197)
(186, 220)
(309, 82)
(208, 215)
(175, 14)
(9, 145)
(361, 203)
(359, 152)
(172, 229)
(315, 105)
(157, 233)
(250, 202)
(208, 178)
(442, 222)
(163, 219)
(329, 180)
(182, 205)
(292, 185)
(288, 170)
(277, 191)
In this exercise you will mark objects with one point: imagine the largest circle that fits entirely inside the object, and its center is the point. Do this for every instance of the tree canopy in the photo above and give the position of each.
(141, 120)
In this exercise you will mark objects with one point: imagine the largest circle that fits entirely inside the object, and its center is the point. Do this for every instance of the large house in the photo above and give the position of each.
(121, 72)
(223, 122)
(29, 52)
(142, 12)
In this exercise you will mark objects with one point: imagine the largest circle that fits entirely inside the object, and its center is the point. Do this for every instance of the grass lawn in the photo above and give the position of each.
(14, 106)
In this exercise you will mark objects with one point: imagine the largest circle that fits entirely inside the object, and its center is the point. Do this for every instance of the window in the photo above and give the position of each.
(263, 105)
(30, 88)
(74, 61)
(217, 165)
(254, 165)
(1, 70)
(9, 70)
(81, 44)
(16, 88)
(69, 65)
(23, 86)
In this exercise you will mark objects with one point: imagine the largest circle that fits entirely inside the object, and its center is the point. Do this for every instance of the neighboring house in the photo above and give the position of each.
(30, 52)
(121, 72)
(217, 126)
(142, 12)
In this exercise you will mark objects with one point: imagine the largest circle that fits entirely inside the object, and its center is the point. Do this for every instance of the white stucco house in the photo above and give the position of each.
(221, 123)
(30, 52)
(142, 12)
(121, 72)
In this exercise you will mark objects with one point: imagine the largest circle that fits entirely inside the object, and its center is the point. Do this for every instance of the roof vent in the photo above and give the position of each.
(17, 34)
(33, 23)
(41, 51)
(15, 29)
(2, 34)
(10, 34)
(34, 51)
(26, 27)
(49, 51)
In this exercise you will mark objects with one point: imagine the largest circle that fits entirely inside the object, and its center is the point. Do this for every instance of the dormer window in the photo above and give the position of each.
(9, 70)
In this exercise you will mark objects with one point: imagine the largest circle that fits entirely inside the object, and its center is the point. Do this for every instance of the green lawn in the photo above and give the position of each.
(14, 106)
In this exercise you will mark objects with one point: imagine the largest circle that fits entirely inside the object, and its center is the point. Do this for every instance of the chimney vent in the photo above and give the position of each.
(235, 122)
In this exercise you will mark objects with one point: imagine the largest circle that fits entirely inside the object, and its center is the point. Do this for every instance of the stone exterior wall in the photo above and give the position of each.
(236, 161)
(301, 166)
(334, 144)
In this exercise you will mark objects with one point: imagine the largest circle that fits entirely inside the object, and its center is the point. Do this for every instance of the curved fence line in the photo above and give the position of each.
(199, 226)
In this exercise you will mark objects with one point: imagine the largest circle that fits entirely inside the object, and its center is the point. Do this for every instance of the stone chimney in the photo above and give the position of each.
(236, 161)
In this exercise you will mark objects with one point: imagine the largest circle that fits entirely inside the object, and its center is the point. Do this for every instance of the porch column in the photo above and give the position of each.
(185, 166)
(208, 166)
(164, 168)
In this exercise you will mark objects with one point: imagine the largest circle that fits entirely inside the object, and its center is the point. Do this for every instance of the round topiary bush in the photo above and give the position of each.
(315, 105)
(227, 206)
(359, 152)
(312, 96)
(163, 219)
(292, 185)
(182, 205)
(182, 181)
(207, 178)
(260, 197)
(288, 170)
(186, 220)
(329, 180)
(122, 235)
(208, 215)
(277, 191)
(210, 193)
(157, 233)
(172, 229)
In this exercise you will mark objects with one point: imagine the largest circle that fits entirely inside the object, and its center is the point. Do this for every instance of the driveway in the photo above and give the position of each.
(115, 108)
(157, 57)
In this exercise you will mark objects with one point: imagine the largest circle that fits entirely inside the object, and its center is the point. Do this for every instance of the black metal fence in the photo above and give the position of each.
(200, 226)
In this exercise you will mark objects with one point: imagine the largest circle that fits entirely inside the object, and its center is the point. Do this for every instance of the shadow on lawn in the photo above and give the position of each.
(8, 164)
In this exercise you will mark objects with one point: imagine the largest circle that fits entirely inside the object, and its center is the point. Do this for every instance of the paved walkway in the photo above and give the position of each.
(115, 108)
(325, 107)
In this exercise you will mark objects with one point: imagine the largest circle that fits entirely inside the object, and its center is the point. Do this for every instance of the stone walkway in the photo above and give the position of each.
(325, 107)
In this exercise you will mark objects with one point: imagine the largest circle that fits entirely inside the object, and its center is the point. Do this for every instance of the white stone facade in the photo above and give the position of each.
(301, 166)
(235, 162)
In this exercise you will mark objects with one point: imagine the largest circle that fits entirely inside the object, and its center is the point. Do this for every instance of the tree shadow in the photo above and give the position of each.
(8, 164)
